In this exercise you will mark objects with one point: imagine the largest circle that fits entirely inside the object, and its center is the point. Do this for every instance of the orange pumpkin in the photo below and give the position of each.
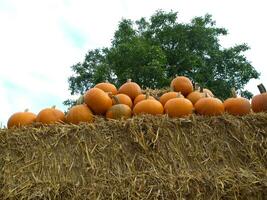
(119, 110)
(21, 119)
(196, 95)
(209, 106)
(178, 107)
(167, 96)
(79, 113)
(50, 116)
(259, 102)
(148, 106)
(142, 97)
(182, 84)
(123, 99)
(107, 87)
(131, 89)
(237, 105)
(97, 100)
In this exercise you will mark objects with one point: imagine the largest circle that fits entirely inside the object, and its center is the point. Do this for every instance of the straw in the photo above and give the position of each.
(145, 157)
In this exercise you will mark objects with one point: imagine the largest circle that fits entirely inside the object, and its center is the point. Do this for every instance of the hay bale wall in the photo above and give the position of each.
(141, 158)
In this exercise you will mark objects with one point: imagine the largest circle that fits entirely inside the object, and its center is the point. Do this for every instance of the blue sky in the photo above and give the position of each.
(40, 40)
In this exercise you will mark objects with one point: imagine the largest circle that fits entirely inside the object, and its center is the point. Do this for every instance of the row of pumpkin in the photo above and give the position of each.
(105, 99)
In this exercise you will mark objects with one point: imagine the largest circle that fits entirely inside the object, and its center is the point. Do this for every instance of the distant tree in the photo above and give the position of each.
(152, 52)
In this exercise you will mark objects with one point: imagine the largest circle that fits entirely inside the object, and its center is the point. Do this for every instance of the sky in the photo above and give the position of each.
(41, 39)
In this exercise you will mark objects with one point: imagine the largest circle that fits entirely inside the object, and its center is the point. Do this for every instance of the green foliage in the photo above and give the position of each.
(94, 69)
(152, 52)
(139, 60)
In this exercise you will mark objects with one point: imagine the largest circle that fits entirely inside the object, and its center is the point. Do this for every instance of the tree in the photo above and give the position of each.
(152, 52)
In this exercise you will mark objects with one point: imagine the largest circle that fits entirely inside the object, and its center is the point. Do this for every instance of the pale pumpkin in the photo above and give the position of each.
(209, 92)
(118, 111)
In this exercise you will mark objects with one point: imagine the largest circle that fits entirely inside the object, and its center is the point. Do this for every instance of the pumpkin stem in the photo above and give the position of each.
(179, 95)
(147, 95)
(201, 89)
(129, 80)
(109, 94)
(196, 86)
(233, 92)
(80, 100)
(207, 95)
(106, 81)
(26, 110)
(261, 87)
(53, 107)
(116, 99)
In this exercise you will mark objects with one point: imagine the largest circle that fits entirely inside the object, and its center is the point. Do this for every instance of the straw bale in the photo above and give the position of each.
(156, 93)
(145, 157)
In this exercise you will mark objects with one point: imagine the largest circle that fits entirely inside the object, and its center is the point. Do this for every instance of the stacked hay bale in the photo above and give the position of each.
(145, 157)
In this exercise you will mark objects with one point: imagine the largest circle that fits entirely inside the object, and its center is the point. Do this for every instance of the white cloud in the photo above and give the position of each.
(35, 57)
(37, 48)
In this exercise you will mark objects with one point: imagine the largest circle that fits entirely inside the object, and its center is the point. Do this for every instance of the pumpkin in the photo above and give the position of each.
(21, 119)
(167, 96)
(131, 89)
(97, 100)
(196, 95)
(209, 106)
(107, 87)
(123, 99)
(142, 97)
(148, 106)
(78, 114)
(237, 105)
(178, 107)
(50, 116)
(207, 91)
(182, 84)
(118, 110)
(259, 102)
